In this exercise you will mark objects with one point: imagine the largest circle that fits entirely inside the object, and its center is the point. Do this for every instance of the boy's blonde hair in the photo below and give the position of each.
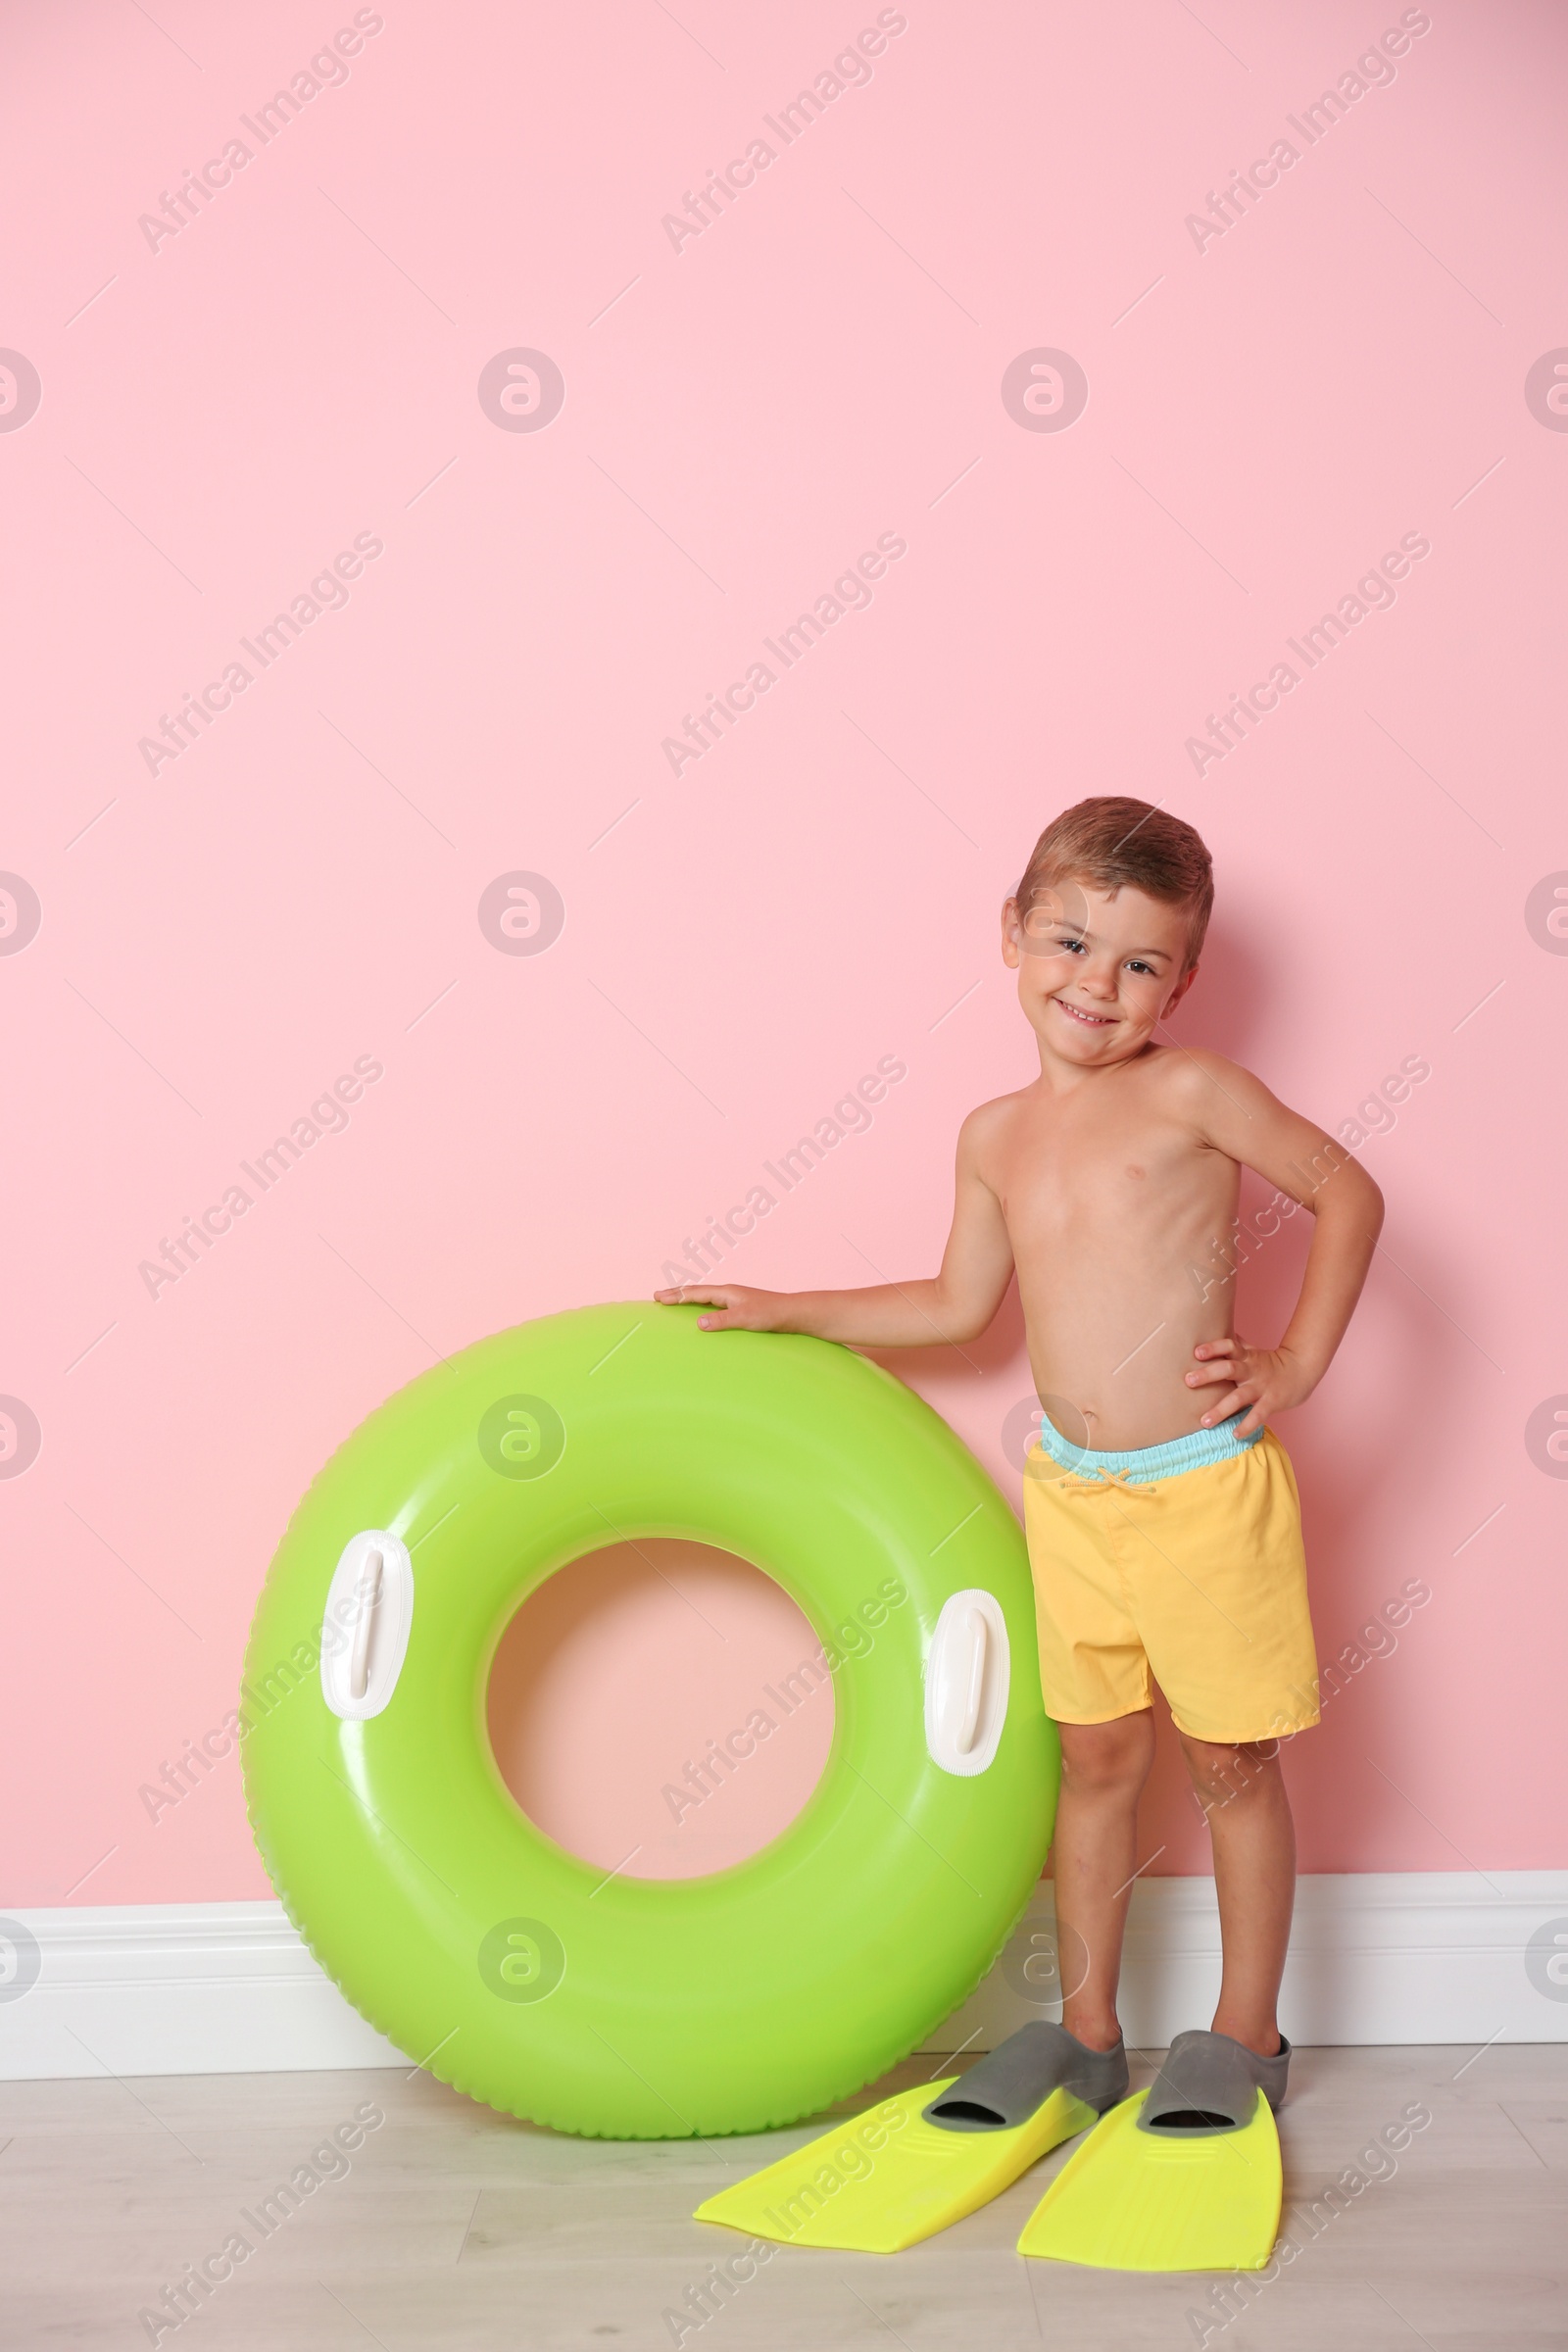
(1116, 843)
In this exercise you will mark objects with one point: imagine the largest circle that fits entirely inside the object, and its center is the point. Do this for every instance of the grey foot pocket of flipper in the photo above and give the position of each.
(1003, 2089)
(1209, 2084)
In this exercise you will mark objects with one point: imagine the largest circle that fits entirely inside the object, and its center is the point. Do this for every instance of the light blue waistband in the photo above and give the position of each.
(1145, 1463)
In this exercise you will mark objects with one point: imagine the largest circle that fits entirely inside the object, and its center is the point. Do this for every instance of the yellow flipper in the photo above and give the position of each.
(1131, 2200)
(885, 2180)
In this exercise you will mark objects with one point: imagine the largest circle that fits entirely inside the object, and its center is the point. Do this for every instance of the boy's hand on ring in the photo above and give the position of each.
(740, 1309)
(1265, 1380)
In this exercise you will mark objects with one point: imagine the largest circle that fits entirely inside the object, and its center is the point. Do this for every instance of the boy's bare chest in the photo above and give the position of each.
(1089, 1171)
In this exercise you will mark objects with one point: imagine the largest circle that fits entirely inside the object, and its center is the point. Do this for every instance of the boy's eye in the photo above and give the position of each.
(1136, 965)
(1071, 946)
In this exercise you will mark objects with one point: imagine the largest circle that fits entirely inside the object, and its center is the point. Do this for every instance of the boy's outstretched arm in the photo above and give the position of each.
(976, 1268)
(1239, 1117)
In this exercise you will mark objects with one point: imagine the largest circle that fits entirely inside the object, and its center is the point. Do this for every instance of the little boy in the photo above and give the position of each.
(1161, 1512)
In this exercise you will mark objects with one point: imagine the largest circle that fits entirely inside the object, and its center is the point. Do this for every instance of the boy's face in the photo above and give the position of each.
(1096, 970)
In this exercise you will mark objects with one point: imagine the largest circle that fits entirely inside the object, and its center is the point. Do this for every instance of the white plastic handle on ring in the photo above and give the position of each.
(975, 1630)
(365, 1630)
(370, 1600)
(968, 1672)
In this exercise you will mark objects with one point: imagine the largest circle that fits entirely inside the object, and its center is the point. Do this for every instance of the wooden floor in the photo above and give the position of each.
(455, 2227)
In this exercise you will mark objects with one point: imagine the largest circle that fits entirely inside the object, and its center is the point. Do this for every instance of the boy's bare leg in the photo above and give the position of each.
(1103, 1768)
(1242, 1792)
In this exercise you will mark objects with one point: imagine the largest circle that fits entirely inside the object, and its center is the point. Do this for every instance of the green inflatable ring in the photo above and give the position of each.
(635, 2008)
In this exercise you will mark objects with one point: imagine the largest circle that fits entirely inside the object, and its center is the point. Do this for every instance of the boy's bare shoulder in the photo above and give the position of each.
(987, 1126)
(1207, 1088)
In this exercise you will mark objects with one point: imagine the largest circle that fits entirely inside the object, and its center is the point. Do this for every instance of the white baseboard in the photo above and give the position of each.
(1380, 1957)
(177, 1988)
(200, 1989)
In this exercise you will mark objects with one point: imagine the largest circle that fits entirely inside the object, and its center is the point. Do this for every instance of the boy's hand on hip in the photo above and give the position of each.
(1265, 1380)
(739, 1309)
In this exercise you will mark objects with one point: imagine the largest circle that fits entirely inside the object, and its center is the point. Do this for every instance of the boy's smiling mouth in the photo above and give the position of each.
(1094, 1020)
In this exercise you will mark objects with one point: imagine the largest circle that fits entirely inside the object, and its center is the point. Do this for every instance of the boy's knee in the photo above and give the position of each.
(1101, 1758)
(1223, 1770)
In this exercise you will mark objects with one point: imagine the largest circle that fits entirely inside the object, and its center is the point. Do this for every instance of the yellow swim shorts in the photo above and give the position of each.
(1178, 1564)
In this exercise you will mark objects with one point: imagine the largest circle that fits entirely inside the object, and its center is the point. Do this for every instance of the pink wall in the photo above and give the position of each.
(650, 1658)
(296, 371)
